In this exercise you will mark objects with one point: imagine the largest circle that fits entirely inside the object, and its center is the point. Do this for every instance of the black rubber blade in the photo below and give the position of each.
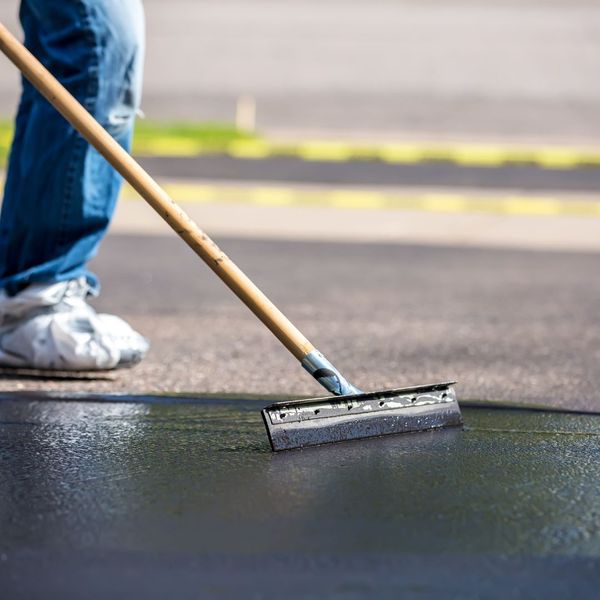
(315, 421)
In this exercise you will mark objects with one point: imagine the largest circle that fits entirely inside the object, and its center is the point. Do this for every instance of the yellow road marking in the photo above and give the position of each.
(249, 149)
(171, 146)
(373, 200)
(476, 155)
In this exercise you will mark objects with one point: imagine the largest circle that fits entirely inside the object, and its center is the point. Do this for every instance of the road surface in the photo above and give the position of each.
(155, 500)
(509, 325)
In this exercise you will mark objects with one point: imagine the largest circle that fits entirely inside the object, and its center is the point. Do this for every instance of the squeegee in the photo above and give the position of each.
(349, 413)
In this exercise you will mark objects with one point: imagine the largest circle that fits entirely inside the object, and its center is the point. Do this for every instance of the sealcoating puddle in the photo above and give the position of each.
(189, 477)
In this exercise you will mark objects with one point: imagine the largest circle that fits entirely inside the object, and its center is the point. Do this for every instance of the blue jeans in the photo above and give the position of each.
(60, 194)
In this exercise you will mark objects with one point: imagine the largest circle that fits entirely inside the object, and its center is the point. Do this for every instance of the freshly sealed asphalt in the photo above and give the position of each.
(162, 498)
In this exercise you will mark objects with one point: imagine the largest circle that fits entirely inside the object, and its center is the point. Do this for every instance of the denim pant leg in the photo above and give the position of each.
(60, 194)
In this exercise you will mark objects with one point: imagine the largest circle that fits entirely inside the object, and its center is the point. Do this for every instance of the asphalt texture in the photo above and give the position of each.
(508, 325)
(165, 499)
(374, 173)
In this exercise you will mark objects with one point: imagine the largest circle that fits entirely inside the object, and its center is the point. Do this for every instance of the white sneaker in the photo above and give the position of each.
(52, 327)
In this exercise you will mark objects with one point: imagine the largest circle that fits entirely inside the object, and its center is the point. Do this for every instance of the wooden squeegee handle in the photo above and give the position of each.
(160, 201)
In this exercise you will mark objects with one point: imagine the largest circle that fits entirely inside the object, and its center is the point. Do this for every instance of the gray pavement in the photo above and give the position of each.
(444, 68)
(509, 325)
(246, 220)
(375, 173)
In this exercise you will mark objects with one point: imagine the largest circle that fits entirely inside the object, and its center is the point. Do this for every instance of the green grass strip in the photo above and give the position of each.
(158, 138)
(164, 139)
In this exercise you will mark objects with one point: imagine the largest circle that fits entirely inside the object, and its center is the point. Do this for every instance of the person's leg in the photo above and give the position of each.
(60, 193)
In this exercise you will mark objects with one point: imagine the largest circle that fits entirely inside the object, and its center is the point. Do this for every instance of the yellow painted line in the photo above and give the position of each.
(249, 149)
(401, 153)
(477, 155)
(171, 146)
(326, 151)
(446, 203)
(272, 196)
(480, 155)
(353, 199)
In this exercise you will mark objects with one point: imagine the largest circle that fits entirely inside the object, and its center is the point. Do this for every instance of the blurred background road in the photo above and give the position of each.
(407, 271)
(459, 68)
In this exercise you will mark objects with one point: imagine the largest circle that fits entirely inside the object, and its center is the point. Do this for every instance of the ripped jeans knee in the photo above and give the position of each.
(121, 65)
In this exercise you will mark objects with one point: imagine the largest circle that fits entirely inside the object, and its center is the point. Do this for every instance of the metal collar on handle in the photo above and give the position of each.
(327, 375)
